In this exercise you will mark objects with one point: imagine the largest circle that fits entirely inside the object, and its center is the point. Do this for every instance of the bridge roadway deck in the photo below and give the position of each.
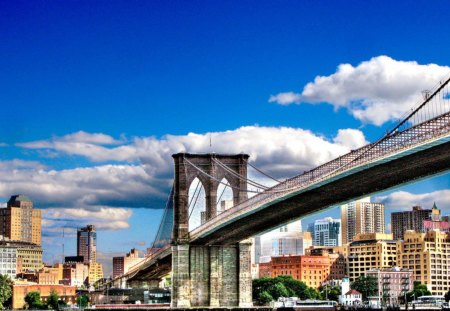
(372, 179)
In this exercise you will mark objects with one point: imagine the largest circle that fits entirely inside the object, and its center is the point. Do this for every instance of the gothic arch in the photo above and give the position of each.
(187, 168)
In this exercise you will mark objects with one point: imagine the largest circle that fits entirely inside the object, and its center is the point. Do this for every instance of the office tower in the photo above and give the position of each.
(87, 244)
(361, 216)
(427, 255)
(327, 232)
(419, 220)
(19, 221)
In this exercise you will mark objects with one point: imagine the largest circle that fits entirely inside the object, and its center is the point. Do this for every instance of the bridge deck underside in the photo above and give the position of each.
(383, 176)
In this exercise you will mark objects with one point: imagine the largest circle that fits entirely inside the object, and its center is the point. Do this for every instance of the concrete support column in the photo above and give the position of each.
(199, 271)
(180, 276)
(229, 276)
(245, 275)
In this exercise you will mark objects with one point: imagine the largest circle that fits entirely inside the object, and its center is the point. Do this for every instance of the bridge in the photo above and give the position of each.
(210, 264)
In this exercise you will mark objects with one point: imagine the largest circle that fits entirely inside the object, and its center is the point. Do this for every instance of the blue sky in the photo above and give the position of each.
(95, 96)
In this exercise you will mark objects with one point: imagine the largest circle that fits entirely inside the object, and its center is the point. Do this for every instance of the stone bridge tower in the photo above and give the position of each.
(208, 275)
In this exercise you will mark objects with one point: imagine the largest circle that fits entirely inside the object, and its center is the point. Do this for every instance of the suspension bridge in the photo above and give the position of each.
(211, 265)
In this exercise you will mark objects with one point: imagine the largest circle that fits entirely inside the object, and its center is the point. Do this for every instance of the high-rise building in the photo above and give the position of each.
(427, 254)
(87, 243)
(370, 251)
(327, 232)
(419, 220)
(19, 221)
(361, 216)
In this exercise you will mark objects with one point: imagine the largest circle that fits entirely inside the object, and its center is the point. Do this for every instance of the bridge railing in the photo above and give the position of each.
(396, 142)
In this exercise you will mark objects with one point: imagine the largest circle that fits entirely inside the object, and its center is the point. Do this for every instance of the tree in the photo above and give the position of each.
(366, 285)
(267, 289)
(5, 289)
(330, 292)
(52, 302)
(418, 290)
(33, 299)
(82, 301)
(447, 296)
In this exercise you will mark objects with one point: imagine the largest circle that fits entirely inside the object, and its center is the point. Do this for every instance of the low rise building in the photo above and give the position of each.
(28, 255)
(393, 284)
(8, 261)
(370, 251)
(75, 274)
(19, 291)
(122, 264)
(312, 270)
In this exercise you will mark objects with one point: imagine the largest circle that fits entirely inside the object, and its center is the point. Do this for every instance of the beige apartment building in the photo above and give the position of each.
(19, 221)
(428, 256)
(370, 251)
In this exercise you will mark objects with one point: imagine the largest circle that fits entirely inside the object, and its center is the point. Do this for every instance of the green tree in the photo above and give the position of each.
(52, 302)
(82, 301)
(366, 285)
(447, 296)
(418, 290)
(281, 286)
(33, 300)
(5, 290)
(330, 292)
(264, 298)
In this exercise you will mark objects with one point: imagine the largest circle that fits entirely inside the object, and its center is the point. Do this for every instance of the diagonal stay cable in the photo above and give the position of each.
(253, 183)
(215, 179)
(261, 172)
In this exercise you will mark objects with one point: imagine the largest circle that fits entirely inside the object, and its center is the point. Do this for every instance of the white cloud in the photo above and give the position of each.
(350, 138)
(17, 164)
(3, 145)
(374, 91)
(104, 218)
(281, 152)
(110, 185)
(404, 201)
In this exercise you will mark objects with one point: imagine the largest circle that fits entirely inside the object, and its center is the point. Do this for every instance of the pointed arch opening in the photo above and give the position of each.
(224, 196)
(196, 204)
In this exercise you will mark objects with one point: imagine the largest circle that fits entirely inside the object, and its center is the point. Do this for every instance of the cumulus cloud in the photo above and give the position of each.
(281, 152)
(109, 185)
(104, 218)
(404, 201)
(375, 91)
(17, 164)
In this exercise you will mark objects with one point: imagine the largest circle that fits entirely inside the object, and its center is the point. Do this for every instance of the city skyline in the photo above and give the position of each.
(96, 98)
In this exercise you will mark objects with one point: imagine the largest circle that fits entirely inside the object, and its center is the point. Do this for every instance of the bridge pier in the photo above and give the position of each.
(215, 276)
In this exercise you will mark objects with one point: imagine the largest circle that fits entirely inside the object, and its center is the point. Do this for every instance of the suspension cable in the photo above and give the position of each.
(193, 195)
(215, 179)
(253, 183)
(223, 191)
(265, 174)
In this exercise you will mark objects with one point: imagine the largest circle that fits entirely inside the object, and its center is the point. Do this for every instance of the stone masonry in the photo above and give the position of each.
(208, 275)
